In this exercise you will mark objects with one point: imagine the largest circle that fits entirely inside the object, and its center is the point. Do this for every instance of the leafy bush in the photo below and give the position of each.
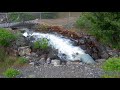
(82, 21)
(112, 64)
(104, 25)
(11, 73)
(6, 37)
(2, 55)
(22, 60)
(41, 44)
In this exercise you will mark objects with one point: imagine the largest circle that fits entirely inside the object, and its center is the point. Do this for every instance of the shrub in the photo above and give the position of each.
(41, 44)
(6, 37)
(104, 25)
(22, 60)
(82, 21)
(11, 73)
(2, 55)
(112, 64)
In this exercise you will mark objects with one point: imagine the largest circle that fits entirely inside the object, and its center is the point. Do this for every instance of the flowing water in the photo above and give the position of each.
(65, 47)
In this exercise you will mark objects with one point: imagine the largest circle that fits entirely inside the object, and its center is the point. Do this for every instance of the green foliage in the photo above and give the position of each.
(110, 76)
(112, 64)
(6, 37)
(11, 73)
(41, 44)
(2, 55)
(82, 21)
(22, 60)
(104, 25)
(49, 15)
(17, 17)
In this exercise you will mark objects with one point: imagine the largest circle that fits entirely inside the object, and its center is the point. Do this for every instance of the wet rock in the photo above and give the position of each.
(48, 61)
(86, 58)
(101, 48)
(20, 42)
(104, 55)
(81, 41)
(95, 56)
(24, 51)
(53, 54)
(83, 47)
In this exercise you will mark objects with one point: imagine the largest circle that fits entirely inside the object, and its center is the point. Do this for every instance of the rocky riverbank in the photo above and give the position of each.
(46, 63)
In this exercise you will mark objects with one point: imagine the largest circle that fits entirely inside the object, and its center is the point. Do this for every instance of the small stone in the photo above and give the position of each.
(68, 63)
(31, 76)
(42, 61)
(31, 63)
(81, 41)
(48, 61)
(55, 62)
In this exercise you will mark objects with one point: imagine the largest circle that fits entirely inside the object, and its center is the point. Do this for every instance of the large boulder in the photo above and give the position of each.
(21, 41)
(86, 58)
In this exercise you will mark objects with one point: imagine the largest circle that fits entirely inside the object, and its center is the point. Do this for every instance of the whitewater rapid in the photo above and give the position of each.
(65, 47)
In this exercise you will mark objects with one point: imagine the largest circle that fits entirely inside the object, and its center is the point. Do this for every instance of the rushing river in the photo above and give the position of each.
(65, 47)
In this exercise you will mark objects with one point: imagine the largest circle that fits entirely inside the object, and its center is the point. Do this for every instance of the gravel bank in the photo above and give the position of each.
(65, 71)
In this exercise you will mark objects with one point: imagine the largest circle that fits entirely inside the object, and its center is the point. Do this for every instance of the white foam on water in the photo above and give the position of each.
(63, 45)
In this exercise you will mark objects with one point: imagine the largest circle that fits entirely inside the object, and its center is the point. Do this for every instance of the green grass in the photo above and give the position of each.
(7, 61)
(110, 76)
(112, 64)
(11, 73)
(41, 44)
(22, 60)
(6, 37)
(111, 68)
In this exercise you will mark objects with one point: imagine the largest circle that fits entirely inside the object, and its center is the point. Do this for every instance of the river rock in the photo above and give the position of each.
(81, 41)
(55, 62)
(53, 54)
(86, 58)
(113, 53)
(24, 51)
(42, 61)
(95, 56)
(104, 55)
(19, 42)
(83, 47)
(48, 61)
